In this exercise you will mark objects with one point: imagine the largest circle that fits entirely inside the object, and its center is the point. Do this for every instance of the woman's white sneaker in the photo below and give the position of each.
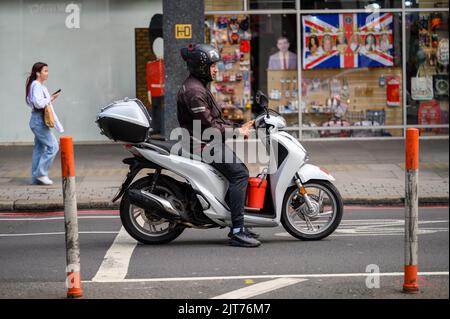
(44, 180)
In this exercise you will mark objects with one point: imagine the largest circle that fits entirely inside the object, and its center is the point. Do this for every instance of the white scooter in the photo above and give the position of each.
(157, 208)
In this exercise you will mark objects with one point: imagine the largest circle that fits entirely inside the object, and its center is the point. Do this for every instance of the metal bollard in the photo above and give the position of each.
(410, 284)
(73, 280)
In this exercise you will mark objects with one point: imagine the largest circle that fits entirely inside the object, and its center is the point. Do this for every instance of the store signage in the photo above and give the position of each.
(347, 40)
(183, 31)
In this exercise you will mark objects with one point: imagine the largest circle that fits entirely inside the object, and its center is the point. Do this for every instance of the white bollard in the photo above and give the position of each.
(73, 279)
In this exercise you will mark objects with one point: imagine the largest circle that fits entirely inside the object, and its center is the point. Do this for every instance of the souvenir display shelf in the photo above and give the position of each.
(359, 94)
(282, 89)
(232, 85)
(433, 31)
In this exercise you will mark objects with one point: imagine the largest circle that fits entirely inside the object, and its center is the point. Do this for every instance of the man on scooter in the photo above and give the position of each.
(196, 102)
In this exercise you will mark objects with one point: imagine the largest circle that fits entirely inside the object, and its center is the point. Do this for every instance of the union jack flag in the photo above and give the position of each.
(348, 40)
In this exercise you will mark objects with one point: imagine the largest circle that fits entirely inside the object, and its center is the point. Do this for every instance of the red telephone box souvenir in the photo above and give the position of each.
(429, 114)
(393, 90)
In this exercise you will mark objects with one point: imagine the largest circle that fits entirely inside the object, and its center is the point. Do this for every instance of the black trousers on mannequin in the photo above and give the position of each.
(237, 174)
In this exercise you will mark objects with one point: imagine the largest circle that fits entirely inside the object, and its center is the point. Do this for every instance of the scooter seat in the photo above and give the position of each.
(169, 147)
(165, 145)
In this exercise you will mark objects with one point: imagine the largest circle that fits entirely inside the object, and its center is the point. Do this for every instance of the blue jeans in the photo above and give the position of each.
(45, 146)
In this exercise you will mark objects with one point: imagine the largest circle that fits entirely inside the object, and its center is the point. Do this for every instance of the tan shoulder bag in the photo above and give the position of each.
(49, 119)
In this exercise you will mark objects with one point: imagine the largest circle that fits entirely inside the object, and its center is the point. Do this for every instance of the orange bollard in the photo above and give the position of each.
(73, 278)
(412, 149)
(410, 284)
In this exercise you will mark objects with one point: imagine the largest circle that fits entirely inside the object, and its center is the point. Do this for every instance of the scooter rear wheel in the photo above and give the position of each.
(141, 224)
(319, 223)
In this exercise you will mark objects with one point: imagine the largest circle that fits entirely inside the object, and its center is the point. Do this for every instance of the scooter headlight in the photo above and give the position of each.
(283, 123)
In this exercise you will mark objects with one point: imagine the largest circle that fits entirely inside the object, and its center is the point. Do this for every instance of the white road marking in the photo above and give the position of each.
(381, 227)
(117, 259)
(391, 274)
(259, 288)
(348, 228)
(57, 233)
(55, 218)
(359, 208)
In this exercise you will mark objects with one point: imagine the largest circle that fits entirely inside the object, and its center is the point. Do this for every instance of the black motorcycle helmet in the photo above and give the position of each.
(199, 58)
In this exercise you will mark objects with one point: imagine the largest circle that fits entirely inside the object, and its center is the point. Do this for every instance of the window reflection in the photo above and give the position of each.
(263, 56)
(220, 5)
(351, 74)
(272, 4)
(426, 4)
(427, 70)
(350, 4)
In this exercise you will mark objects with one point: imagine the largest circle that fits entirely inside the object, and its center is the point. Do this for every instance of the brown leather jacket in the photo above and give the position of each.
(196, 102)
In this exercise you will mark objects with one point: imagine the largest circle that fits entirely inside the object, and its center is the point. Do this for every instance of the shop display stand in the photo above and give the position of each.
(282, 89)
(232, 85)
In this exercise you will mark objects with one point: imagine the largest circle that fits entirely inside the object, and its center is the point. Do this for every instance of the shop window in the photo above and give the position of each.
(276, 63)
(271, 4)
(350, 4)
(259, 52)
(351, 74)
(427, 70)
(232, 35)
(220, 5)
(426, 3)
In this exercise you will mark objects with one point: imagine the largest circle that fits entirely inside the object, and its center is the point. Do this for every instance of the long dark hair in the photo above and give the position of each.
(37, 67)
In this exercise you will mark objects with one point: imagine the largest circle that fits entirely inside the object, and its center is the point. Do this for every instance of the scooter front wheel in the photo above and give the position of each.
(319, 222)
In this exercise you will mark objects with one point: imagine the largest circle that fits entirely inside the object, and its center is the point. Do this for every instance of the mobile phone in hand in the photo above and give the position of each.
(57, 92)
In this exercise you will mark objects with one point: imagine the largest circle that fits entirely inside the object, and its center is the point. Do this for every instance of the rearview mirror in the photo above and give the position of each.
(261, 98)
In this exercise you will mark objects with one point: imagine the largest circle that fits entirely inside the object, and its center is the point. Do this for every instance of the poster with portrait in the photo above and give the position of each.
(347, 40)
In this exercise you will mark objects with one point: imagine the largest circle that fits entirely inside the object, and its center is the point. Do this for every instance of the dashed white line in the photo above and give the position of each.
(116, 261)
(259, 288)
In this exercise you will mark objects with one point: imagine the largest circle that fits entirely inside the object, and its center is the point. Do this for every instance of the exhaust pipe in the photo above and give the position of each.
(157, 205)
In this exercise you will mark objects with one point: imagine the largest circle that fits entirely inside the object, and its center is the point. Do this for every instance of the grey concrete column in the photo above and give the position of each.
(178, 12)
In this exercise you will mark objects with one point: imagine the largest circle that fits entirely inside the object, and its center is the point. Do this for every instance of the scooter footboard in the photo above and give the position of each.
(308, 172)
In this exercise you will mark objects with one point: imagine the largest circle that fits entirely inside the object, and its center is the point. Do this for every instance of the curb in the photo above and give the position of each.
(48, 206)
(423, 201)
(52, 206)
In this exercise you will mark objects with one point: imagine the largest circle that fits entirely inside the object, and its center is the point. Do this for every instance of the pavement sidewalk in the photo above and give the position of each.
(366, 172)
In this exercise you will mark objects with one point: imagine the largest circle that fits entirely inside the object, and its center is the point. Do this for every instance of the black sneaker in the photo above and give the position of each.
(241, 239)
(246, 231)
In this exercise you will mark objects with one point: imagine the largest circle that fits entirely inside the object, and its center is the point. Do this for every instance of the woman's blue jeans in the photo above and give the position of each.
(45, 146)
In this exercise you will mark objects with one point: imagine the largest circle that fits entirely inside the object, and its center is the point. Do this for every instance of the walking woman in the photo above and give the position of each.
(45, 144)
